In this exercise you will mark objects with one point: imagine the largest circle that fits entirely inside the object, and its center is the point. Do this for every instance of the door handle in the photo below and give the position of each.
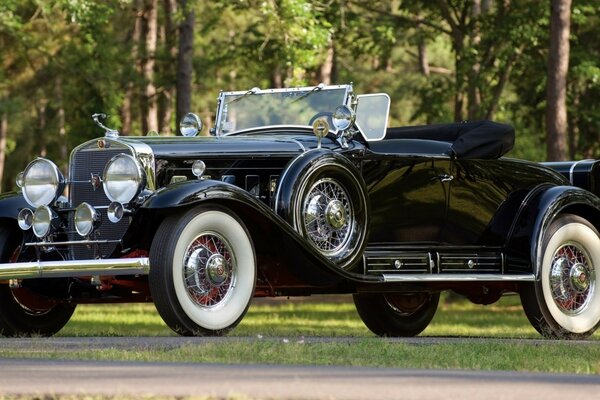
(445, 178)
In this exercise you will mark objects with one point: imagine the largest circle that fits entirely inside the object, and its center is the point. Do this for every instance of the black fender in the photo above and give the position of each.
(297, 177)
(10, 205)
(285, 259)
(538, 211)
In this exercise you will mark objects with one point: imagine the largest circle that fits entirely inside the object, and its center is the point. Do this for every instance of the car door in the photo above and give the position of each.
(408, 196)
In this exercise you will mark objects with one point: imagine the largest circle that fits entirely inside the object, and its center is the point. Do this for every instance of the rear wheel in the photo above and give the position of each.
(203, 271)
(22, 311)
(565, 301)
(397, 315)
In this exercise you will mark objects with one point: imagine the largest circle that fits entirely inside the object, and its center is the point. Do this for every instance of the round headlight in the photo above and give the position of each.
(198, 168)
(42, 221)
(42, 182)
(123, 178)
(86, 218)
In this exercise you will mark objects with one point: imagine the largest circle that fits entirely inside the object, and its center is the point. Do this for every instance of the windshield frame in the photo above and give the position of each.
(222, 101)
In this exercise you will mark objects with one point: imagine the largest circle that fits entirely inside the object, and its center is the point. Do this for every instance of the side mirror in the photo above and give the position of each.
(190, 125)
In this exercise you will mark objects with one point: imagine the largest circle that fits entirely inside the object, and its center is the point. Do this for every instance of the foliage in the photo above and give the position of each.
(62, 60)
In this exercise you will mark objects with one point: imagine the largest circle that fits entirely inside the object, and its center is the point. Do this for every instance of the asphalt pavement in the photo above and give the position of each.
(33, 377)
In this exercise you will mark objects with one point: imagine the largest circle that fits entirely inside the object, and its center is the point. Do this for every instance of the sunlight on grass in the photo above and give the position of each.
(304, 317)
(278, 332)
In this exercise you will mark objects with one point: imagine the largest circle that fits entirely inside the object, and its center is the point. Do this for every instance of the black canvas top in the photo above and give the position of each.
(473, 139)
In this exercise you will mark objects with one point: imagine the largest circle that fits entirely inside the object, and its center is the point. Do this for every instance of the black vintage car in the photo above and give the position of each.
(296, 192)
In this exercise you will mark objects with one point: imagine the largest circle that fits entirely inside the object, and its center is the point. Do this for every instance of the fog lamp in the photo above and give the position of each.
(86, 218)
(115, 212)
(42, 221)
(25, 219)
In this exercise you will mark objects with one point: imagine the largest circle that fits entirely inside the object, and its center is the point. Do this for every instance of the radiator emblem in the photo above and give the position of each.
(96, 181)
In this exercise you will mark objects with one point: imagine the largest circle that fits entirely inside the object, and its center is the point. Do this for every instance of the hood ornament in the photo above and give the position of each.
(108, 132)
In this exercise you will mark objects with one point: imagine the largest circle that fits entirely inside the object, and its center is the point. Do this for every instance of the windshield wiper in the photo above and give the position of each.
(254, 90)
(320, 86)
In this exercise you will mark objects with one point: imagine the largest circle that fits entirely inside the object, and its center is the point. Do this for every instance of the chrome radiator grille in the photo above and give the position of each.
(84, 163)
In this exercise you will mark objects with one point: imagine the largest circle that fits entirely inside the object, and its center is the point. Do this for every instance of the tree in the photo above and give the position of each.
(558, 66)
(184, 61)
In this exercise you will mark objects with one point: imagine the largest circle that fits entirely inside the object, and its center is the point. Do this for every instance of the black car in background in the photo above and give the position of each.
(301, 191)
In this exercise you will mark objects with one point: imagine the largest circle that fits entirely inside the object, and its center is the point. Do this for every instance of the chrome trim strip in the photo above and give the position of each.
(64, 269)
(572, 169)
(71, 242)
(458, 278)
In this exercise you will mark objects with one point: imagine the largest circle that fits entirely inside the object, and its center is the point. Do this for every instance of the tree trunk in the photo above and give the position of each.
(556, 94)
(423, 60)
(126, 108)
(43, 140)
(149, 104)
(62, 130)
(3, 136)
(326, 70)
(473, 93)
(168, 68)
(184, 61)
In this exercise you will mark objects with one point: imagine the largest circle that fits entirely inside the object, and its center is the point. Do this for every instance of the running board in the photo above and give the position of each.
(71, 268)
(458, 278)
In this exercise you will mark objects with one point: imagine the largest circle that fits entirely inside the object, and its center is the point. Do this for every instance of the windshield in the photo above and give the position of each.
(298, 106)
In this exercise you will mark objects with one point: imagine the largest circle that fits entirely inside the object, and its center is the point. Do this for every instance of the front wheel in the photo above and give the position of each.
(203, 271)
(22, 311)
(565, 301)
(397, 315)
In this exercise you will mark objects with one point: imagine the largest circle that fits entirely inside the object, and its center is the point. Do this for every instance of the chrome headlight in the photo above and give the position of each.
(42, 182)
(86, 218)
(123, 178)
(42, 221)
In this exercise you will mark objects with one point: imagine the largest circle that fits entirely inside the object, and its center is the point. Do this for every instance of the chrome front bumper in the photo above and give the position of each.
(64, 269)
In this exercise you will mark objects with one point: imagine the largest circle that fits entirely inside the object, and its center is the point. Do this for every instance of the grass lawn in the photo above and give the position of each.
(277, 332)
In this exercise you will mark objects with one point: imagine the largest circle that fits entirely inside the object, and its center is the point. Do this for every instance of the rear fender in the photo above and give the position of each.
(538, 212)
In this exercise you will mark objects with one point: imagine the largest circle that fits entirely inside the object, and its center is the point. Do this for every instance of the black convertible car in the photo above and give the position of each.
(296, 192)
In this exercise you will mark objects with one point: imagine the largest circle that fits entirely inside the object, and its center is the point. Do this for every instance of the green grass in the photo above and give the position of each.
(306, 318)
(282, 332)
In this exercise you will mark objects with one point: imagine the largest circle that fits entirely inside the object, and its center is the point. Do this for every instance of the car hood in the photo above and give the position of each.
(186, 147)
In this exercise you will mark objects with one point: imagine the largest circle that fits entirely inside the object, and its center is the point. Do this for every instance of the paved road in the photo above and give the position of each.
(35, 377)
(43, 377)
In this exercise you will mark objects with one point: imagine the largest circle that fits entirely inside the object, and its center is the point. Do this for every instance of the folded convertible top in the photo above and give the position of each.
(472, 139)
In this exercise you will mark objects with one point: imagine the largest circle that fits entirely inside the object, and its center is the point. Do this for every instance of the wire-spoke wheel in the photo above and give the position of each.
(203, 271)
(564, 302)
(22, 311)
(328, 216)
(329, 208)
(396, 315)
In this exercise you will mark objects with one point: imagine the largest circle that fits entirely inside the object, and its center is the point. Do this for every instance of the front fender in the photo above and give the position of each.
(540, 210)
(10, 205)
(189, 193)
(285, 258)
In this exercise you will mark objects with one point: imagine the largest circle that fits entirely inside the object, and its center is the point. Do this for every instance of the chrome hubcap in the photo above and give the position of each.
(216, 270)
(572, 280)
(328, 219)
(336, 214)
(209, 270)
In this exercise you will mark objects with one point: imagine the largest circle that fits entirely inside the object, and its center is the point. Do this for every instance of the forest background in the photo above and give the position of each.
(532, 63)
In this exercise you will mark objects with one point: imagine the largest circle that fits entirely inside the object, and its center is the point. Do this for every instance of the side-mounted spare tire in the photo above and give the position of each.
(323, 196)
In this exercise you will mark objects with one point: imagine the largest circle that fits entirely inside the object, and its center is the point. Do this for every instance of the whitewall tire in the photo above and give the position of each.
(565, 301)
(203, 271)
